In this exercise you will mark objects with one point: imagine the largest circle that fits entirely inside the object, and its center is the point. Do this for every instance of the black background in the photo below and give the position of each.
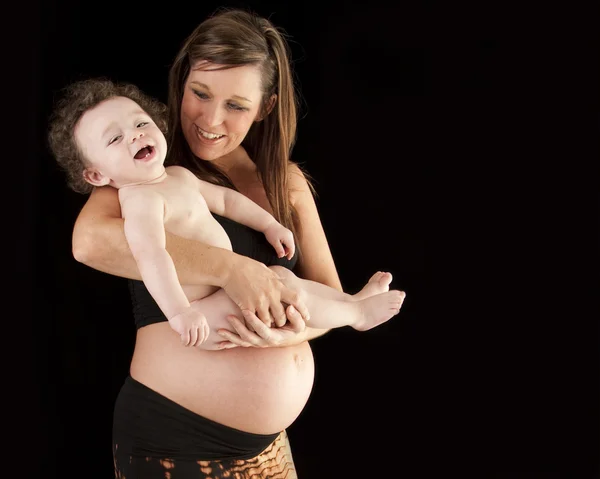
(432, 134)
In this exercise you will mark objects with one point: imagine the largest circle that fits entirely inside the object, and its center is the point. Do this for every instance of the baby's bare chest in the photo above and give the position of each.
(184, 204)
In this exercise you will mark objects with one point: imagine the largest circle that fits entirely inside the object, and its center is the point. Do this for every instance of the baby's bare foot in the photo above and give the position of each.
(379, 308)
(379, 283)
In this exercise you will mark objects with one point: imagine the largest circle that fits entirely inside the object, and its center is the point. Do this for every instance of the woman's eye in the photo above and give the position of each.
(233, 106)
(230, 106)
(202, 96)
(143, 123)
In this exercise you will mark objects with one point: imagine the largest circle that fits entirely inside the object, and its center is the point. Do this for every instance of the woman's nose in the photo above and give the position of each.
(212, 116)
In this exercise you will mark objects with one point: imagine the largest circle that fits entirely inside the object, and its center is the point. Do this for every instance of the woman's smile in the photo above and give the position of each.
(209, 138)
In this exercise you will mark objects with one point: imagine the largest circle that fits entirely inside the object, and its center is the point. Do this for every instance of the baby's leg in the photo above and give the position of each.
(216, 307)
(378, 283)
(330, 308)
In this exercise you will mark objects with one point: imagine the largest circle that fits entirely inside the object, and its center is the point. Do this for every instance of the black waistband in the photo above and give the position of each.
(151, 425)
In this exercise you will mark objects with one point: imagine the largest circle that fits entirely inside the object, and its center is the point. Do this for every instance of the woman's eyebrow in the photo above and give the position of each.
(206, 87)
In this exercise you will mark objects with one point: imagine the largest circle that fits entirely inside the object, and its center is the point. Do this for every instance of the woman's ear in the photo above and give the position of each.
(94, 177)
(269, 104)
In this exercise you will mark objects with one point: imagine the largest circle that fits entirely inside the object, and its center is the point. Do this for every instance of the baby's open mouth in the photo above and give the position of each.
(144, 153)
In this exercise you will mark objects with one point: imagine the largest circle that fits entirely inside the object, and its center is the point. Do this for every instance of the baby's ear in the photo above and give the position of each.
(94, 177)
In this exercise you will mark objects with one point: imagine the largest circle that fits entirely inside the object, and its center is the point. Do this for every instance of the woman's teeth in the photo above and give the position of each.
(209, 136)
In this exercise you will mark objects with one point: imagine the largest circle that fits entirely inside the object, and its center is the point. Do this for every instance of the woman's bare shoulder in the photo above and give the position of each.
(299, 182)
(297, 177)
(102, 199)
(103, 192)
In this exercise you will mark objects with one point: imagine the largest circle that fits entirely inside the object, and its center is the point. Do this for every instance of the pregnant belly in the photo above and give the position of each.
(255, 390)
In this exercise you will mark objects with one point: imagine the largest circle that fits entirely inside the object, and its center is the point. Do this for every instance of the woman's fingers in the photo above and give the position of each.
(264, 314)
(259, 327)
(296, 322)
(247, 337)
(278, 313)
(234, 338)
(226, 344)
(292, 297)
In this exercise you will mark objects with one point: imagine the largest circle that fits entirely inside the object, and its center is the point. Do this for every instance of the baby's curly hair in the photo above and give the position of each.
(76, 99)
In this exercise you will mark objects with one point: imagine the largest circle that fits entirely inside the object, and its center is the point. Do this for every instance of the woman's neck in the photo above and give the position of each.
(237, 160)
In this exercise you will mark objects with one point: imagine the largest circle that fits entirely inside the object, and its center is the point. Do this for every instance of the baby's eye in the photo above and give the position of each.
(112, 140)
(142, 124)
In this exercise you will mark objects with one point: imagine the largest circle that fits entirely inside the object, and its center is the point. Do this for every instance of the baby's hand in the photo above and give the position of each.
(281, 239)
(191, 326)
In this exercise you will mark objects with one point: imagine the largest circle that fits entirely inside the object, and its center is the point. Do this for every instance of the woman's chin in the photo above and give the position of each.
(208, 153)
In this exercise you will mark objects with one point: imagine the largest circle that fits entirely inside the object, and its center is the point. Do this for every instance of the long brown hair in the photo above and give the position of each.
(231, 38)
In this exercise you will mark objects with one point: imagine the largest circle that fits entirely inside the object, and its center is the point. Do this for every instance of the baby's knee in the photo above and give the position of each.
(284, 273)
(290, 280)
(287, 278)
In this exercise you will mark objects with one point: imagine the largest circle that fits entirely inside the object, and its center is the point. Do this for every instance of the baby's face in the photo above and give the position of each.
(121, 143)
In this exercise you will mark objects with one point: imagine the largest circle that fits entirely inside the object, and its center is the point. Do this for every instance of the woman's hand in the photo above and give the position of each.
(256, 288)
(263, 336)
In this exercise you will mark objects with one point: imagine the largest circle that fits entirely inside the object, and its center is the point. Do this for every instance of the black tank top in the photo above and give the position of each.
(244, 240)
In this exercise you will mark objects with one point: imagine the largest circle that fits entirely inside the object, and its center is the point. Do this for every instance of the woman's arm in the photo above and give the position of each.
(99, 242)
(98, 239)
(316, 264)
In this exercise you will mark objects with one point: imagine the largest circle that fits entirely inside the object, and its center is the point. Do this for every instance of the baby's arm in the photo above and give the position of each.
(143, 212)
(237, 207)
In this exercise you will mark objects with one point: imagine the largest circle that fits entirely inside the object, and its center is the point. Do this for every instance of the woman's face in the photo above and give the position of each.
(218, 108)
